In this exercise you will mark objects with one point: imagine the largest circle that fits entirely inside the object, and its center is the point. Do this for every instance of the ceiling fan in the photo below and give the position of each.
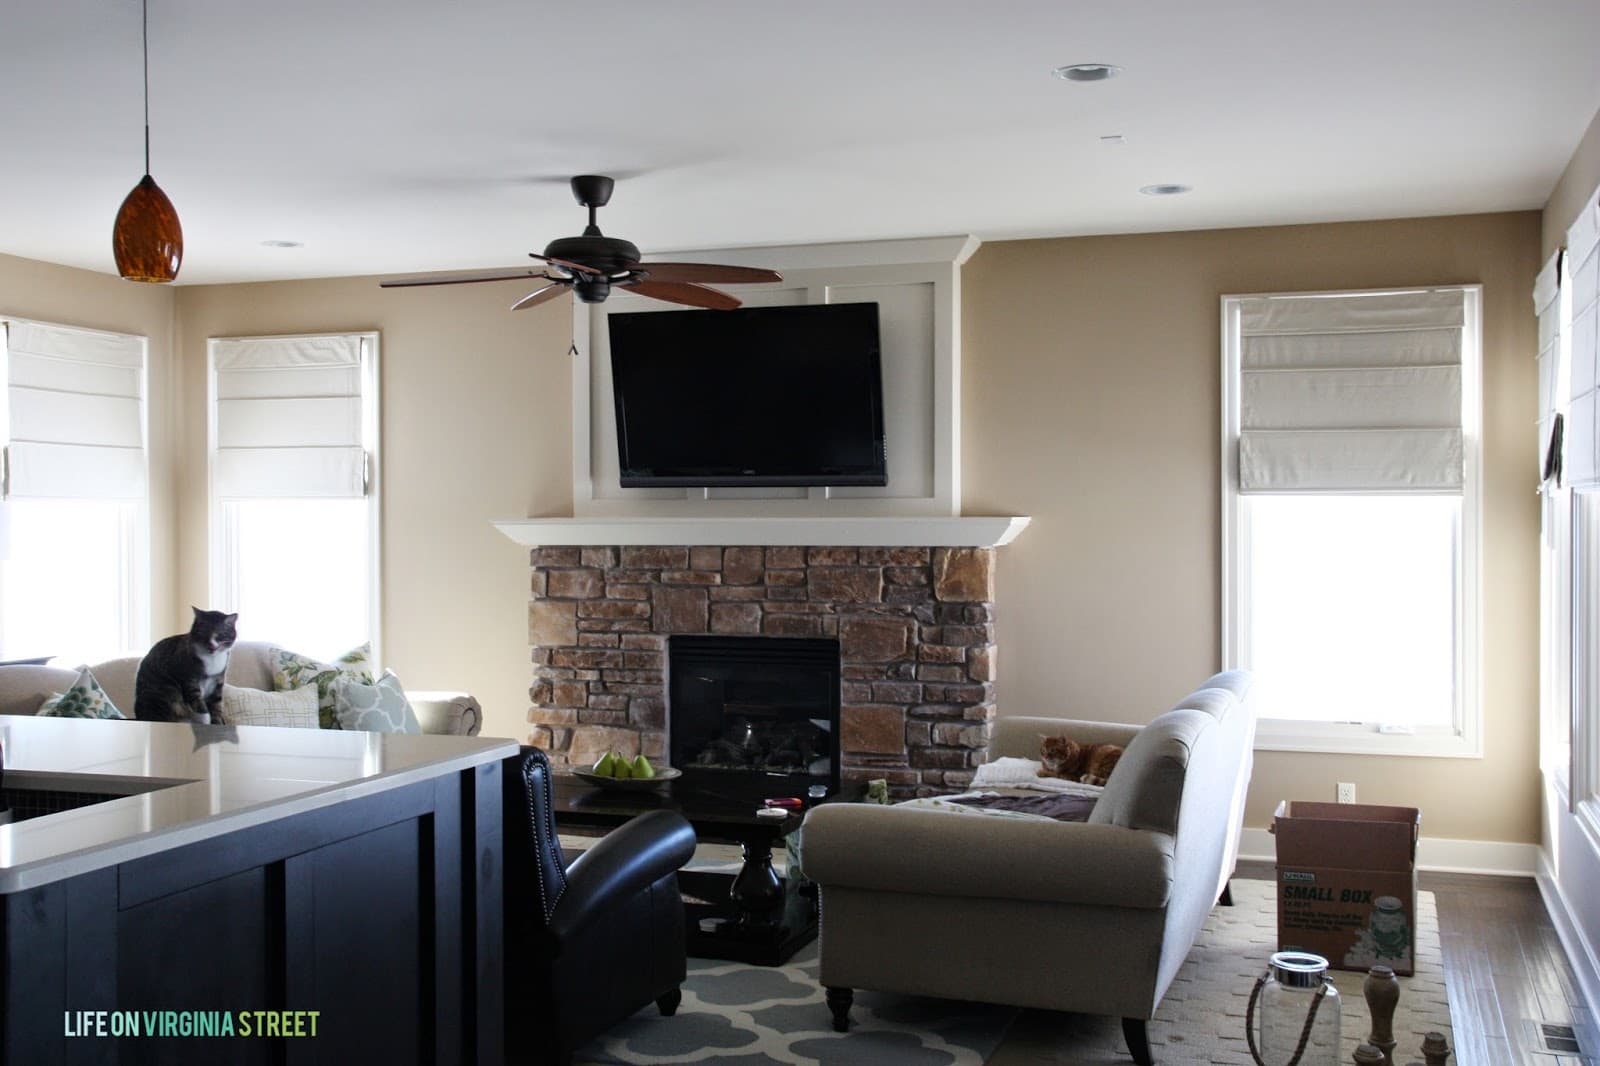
(594, 264)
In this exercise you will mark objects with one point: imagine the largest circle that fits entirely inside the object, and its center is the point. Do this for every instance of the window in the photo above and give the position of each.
(1552, 301)
(294, 505)
(74, 555)
(1573, 553)
(1350, 517)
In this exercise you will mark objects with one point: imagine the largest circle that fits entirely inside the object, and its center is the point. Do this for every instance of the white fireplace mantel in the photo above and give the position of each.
(923, 531)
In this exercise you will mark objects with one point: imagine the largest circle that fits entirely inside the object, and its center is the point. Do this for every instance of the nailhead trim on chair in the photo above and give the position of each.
(529, 762)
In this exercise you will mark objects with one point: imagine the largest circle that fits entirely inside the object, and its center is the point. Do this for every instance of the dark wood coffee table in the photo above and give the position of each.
(751, 916)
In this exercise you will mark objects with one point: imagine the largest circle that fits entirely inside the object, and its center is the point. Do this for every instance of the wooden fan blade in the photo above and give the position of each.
(569, 264)
(683, 293)
(717, 272)
(539, 296)
(461, 279)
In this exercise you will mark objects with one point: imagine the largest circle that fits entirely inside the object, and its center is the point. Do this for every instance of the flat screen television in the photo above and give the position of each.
(754, 396)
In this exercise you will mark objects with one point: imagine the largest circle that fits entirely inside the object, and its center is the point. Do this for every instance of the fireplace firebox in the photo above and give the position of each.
(754, 716)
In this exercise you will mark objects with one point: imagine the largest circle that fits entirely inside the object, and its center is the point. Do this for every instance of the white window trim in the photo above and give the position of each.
(1556, 644)
(1357, 738)
(220, 568)
(1584, 782)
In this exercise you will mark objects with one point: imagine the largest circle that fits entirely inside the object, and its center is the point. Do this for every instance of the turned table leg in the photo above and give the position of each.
(757, 893)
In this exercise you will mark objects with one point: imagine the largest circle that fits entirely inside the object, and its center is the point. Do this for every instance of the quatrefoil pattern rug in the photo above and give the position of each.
(738, 1015)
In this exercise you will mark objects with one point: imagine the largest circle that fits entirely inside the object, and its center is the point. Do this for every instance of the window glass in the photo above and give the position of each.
(70, 582)
(1351, 607)
(300, 572)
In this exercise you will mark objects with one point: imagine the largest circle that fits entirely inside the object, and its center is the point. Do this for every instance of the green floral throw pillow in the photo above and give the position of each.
(295, 671)
(85, 699)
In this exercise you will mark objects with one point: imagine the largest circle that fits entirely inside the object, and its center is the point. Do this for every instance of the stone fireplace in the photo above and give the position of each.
(914, 628)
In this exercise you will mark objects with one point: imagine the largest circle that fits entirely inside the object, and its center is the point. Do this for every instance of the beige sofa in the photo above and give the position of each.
(24, 688)
(1093, 917)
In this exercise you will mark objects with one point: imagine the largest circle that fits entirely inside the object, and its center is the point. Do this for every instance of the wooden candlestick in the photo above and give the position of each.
(1434, 1049)
(1367, 1055)
(1382, 991)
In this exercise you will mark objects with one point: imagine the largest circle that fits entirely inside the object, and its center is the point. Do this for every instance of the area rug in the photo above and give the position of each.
(1201, 1018)
(738, 1015)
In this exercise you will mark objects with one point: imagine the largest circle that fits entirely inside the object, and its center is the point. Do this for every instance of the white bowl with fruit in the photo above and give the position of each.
(615, 770)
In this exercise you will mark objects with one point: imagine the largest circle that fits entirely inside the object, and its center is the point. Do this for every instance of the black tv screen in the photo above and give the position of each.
(754, 396)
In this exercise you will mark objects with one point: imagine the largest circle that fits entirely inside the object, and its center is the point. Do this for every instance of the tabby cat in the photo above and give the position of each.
(1089, 763)
(180, 678)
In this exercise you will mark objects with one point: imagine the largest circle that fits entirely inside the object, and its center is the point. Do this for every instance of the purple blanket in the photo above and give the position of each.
(1063, 808)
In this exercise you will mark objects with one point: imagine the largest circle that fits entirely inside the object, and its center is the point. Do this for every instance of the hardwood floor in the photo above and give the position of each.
(1504, 968)
(1505, 971)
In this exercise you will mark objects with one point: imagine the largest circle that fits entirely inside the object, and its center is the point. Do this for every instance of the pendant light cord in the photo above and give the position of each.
(145, 8)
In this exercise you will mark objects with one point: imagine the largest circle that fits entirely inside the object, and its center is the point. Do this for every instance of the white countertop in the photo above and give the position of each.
(230, 778)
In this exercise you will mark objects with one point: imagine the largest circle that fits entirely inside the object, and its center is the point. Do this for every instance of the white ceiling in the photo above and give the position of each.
(397, 136)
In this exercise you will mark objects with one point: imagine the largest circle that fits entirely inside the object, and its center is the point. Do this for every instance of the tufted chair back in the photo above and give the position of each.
(549, 867)
(590, 943)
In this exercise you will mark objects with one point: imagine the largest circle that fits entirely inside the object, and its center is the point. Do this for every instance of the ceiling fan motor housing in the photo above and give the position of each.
(609, 255)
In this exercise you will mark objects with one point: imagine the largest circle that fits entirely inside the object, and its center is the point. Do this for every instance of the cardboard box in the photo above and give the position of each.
(1347, 883)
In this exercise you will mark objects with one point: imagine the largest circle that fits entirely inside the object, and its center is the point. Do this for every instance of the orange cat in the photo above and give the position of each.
(1089, 763)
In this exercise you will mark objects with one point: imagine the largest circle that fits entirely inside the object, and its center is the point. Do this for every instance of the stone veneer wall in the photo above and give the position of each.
(915, 628)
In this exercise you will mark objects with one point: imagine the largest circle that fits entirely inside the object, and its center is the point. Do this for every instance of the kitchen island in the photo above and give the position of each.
(192, 879)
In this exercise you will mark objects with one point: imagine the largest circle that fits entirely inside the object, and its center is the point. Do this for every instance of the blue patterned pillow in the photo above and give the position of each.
(380, 708)
(85, 699)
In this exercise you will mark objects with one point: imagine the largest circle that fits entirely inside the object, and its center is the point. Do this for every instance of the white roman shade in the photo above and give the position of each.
(288, 417)
(1351, 393)
(1582, 441)
(1547, 306)
(75, 408)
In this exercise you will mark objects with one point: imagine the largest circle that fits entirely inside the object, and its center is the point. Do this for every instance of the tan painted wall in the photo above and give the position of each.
(1090, 401)
(1577, 181)
(72, 297)
(476, 426)
(1090, 396)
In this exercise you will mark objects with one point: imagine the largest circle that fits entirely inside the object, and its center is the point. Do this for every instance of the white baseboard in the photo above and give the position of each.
(1434, 854)
(1579, 956)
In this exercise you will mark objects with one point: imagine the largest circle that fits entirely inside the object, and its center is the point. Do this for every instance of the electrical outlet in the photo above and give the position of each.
(1346, 792)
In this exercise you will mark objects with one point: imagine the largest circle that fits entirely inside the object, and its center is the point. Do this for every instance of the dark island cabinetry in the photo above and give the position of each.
(365, 930)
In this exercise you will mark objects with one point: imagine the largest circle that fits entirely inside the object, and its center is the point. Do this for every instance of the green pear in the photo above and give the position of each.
(642, 767)
(605, 766)
(621, 767)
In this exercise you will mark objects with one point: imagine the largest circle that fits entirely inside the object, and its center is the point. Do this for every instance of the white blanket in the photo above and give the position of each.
(1007, 772)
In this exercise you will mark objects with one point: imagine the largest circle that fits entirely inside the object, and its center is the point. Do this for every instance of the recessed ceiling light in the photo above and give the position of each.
(1165, 190)
(282, 244)
(1087, 71)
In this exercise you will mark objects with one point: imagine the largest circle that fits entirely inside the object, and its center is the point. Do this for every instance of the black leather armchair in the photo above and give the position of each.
(590, 943)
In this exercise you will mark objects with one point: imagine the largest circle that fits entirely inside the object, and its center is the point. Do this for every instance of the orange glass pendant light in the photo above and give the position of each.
(147, 239)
